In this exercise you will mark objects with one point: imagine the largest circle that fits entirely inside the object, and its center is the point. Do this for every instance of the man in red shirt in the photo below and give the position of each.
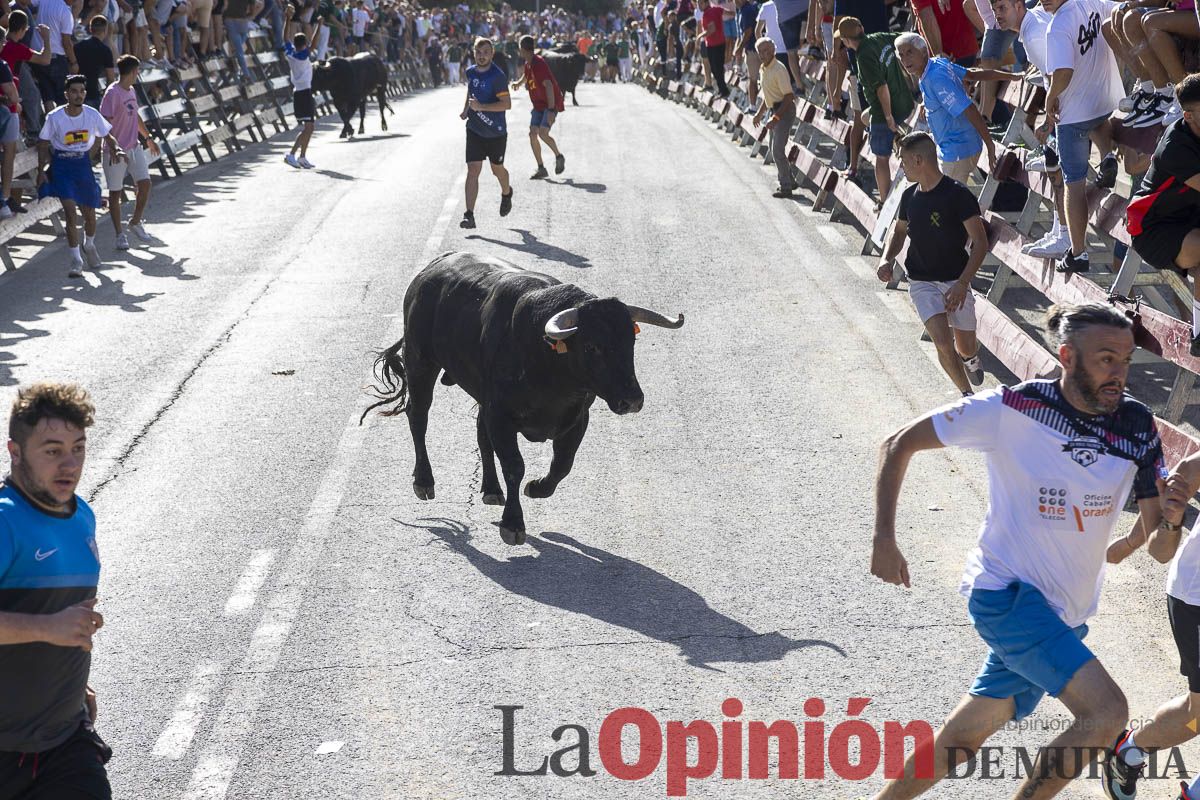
(944, 25)
(712, 22)
(547, 103)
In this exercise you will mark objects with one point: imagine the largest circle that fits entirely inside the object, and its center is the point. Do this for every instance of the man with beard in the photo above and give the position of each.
(487, 129)
(1062, 456)
(49, 569)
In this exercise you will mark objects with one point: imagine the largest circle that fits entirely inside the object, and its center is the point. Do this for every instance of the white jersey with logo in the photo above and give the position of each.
(1057, 480)
(74, 134)
(1074, 41)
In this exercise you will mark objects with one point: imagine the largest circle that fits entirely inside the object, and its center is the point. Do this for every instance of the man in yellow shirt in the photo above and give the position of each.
(777, 96)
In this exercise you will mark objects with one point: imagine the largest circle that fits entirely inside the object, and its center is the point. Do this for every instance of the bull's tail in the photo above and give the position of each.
(391, 383)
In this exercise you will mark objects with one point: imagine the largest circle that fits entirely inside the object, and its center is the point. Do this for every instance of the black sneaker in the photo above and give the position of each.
(783, 193)
(1106, 173)
(541, 173)
(1152, 114)
(1072, 263)
(1195, 349)
(468, 220)
(16, 207)
(560, 163)
(506, 202)
(1120, 779)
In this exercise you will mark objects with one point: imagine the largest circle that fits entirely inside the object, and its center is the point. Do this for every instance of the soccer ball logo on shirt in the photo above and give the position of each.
(1085, 450)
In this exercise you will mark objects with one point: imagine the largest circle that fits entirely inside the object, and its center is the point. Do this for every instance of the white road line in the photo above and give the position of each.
(219, 761)
(176, 738)
(329, 747)
(832, 234)
(246, 591)
(860, 268)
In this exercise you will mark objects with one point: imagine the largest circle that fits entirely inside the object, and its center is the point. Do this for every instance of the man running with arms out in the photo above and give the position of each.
(68, 136)
(299, 59)
(543, 91)
(120, 108)
(49, 569)
(939, 215)
(487, 132)
(1053, 449)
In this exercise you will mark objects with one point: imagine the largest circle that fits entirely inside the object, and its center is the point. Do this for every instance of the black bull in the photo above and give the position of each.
(533, 352)
(566, 65)
(350, 82)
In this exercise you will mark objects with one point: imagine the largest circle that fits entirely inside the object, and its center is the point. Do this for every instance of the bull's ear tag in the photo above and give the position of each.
(636, 329)
(560, 347)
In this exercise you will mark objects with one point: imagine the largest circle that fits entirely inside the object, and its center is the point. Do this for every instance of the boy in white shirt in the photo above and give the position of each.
(299, 58)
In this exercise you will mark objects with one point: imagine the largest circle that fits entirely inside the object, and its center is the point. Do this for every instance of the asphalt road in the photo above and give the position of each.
(286, 620)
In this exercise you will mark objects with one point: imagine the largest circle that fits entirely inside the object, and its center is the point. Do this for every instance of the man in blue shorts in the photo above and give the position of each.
(1062, 456)
(487, 130)
(49, 570)
(68, 137)
(547, 99)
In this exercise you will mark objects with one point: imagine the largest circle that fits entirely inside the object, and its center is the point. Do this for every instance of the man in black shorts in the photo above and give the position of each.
(1164, 216)
(487, 130)
(299, 58)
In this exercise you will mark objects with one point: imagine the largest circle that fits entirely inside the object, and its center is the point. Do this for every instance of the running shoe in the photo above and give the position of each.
(560, 163)
(305, 163)
(1173, 115)
(1055, 248)
(1106, 173)
(1120, 779)
(541, 173)
(1138, 102)
(290, 160)
(974, 367)
(468, 220)
(16, 206)
(139, 230)
(1152, 114)
(122, 241)
(92, 255)
(506, 202)
(1071, 263)
(76, 270)
(1131, 102)
(782, 193)
(1046, 162)
(1047, 237)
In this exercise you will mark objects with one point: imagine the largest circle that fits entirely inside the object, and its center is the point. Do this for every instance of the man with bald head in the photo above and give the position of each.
(778, 97)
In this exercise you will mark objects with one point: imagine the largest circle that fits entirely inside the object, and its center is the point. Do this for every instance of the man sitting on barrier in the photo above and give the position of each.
(1164, 215)
(938, 215)
(777, 95)
(68, 136)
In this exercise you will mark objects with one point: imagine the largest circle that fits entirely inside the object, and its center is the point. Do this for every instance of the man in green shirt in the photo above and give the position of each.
(624, 58)
(889, 95)
(454, 54)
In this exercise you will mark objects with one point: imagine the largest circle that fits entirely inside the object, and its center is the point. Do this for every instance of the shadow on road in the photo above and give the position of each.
(568, 574)
(590, 188)
(532, 245)
(362, 137)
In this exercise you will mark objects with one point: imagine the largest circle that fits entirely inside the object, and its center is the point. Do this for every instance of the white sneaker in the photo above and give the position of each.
(1173, 115)
(91, 255)
(304, 162)
(76, 270)
(290, 160)
(6, 212)
(139, 231)
(1056, 248)
(1048, 237)
(122, 241)
(974, 367)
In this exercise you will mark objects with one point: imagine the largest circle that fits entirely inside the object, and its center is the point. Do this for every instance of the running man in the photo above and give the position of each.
(66, 141)
(487, 130)
(1054, 449)
(299, 59)
(939, 215)
(543, 89)
(49, 570)
(120, 108)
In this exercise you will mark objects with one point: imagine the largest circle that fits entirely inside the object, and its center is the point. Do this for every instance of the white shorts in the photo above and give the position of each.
(138, 168)
(929, 297)
(827, 36)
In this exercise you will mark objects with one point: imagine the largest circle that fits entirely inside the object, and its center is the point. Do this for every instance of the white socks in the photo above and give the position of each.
(89, 240)
(75, 253)
(1130, 753)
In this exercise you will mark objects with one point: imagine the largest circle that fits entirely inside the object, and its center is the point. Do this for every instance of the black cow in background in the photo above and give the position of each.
(567, 65)
(351, 82)
(533, 352)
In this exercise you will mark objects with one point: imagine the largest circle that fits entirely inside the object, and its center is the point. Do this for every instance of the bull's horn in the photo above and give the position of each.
(562, 324)
(653, 317)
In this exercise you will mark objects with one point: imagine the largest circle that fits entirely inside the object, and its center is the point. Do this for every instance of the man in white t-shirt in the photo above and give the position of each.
(1085, 88)
(1061, 458)
(768, 25)
(66, 141)
(51, 78)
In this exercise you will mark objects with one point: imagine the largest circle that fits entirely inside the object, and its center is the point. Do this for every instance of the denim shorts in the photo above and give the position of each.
(996, 43)
(1031, 651)
(1074, 146)
(543, 118)
(882, 138)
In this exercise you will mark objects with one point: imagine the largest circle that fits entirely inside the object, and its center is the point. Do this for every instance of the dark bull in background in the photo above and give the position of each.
(533, 352)
(351, 82)
(566, 63)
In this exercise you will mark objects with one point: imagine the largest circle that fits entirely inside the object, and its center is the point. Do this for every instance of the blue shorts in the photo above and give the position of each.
(996, 43)
(882, 138)
(731, 29)
(542, 119)
(1074, 146)
(71, 178)
(1031, 651)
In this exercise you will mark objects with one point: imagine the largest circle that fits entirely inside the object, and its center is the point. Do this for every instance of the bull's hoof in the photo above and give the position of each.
(539, 489)
(361, 131)
(423, 492)
(493, 499)
(513, 536)
(385, 124)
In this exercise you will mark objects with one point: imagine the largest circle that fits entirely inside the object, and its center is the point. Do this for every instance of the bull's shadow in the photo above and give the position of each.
(578, 577)
(531, 244)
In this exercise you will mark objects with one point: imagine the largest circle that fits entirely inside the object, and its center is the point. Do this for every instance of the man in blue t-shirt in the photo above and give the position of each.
(49, 569)
(487, 132)
(957, 126)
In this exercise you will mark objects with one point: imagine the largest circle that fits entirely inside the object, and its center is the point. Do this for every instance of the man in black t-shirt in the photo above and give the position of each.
(1164, 216)
(95, 60)
(939, 215)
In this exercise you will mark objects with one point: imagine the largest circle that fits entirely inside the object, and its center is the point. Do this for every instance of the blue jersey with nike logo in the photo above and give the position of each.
(48, 562)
